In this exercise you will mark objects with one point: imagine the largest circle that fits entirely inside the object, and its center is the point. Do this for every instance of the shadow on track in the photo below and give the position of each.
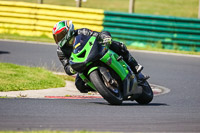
(132, 104)
(4, 52)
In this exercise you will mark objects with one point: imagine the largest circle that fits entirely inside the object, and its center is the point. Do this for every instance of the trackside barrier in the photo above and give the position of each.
(38, 19)
(160, 31)
(167, 32)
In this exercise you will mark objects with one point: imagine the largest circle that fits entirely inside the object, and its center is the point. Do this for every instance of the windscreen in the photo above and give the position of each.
(80, 42)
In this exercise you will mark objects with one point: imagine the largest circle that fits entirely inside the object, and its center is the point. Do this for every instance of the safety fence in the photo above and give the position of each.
(160, 31)
(134, 29)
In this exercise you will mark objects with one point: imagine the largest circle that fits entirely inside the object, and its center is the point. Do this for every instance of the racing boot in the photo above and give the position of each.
(135, 67)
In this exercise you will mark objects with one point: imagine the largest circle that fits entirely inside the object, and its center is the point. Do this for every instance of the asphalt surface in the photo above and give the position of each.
(177, 111)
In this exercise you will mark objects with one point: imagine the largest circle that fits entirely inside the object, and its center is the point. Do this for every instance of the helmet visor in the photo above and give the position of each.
(60, 36)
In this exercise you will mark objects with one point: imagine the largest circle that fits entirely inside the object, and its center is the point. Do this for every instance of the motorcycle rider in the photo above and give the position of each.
(65, 36)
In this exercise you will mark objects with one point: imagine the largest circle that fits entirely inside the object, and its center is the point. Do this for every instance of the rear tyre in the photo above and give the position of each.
(114, 98)
(147, 94)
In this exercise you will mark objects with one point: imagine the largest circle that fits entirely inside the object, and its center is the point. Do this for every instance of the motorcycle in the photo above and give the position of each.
(107, 73)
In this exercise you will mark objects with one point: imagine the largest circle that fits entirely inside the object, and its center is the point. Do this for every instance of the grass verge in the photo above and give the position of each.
(66, 77)
(26, 38)
(15, 77)
(163, 50)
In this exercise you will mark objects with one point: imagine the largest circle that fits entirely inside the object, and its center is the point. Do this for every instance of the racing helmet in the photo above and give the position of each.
(63, 33)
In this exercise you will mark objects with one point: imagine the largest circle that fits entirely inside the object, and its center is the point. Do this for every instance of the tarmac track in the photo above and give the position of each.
(177, 111)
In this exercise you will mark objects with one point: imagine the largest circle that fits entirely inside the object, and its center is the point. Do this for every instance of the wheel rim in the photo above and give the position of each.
(112, 89)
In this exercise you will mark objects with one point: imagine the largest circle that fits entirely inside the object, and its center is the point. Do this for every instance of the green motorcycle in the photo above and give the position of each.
(106, 72)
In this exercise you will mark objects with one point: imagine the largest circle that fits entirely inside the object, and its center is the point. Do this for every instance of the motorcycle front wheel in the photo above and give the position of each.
(113, 97)
(147, 94)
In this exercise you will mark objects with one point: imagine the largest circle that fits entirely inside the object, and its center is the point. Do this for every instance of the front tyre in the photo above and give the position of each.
(147, 94)
(105, 92)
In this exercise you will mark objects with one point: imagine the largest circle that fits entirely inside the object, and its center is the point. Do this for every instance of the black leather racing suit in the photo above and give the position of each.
(65, 52)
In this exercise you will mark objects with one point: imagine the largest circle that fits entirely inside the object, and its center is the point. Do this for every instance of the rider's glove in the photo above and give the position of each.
(72, 70)
(69, 70)
(107, 41)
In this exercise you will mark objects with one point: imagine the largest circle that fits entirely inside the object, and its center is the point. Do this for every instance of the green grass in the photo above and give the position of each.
(26, 38)
(67, 77)
(163, 50)
(15, 77)
(180, 8)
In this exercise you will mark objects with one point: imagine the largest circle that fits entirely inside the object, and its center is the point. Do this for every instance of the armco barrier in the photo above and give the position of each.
(134, 29)
(38, 19)
(163, 31)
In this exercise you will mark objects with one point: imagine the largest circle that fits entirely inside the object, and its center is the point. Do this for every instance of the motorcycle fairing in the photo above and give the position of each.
(84, 54)
(88, 51)
(122, 69)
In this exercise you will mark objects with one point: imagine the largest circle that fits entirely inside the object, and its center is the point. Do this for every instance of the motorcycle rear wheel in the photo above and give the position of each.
(114, 99)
